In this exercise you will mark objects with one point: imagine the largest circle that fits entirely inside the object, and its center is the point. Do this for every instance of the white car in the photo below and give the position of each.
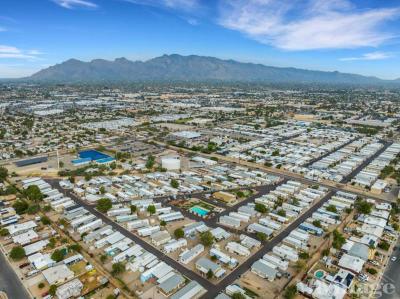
(393, 259)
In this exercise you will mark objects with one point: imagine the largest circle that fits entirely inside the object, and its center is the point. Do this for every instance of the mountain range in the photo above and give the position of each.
(191, 68)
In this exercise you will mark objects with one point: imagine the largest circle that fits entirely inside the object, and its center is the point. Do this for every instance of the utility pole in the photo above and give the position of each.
(58, 161)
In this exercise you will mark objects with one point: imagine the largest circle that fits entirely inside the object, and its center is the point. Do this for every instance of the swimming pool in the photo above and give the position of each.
(199, 211)
(319, 274)
(88, 156)
(93, 155)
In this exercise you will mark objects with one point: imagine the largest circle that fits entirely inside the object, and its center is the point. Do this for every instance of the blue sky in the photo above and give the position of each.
(359, 36)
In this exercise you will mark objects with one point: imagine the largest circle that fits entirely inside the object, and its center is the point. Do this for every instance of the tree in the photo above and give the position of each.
(4, 232)
(259, 207)
(20, 206)
(133, 209)
(103, 258)
(52, 290)
(57, 255)
(17, 253)
(3, 174)
(151, 209)
(331, 208)
(163, 223)
(41, 285)
(304, 255)
(45, 220)
(174, 184)
(88, 177)
(150, 162)
(33, 193)
(179, 233)
(104, 204)
(275, 153)
(384, 245)
(210, 274)
(372, 271)
(47, 208)
(206, 238)
(240, 194)
(102, 190)
(75, 247)
(238, 295)
(261, 236)
(290, 292)
(52, 243)
(363, 206)
(317, 223)
(281, 213)
(338, 240)
(118, 268)
(33, 209)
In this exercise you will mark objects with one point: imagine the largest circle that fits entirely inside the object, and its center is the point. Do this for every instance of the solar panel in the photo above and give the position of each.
(31, 161)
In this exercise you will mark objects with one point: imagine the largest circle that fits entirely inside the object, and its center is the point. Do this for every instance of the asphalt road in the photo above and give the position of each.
(366, 162)
(9, 281)
(284, 174)
(212, 290)
(229, 279)
(330, 152)
(176, 265)
(390, 283)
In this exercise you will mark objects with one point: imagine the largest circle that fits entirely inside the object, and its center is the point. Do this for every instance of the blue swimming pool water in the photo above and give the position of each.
(88, 156)
(199, 210)
(93, 155)
(319, 274)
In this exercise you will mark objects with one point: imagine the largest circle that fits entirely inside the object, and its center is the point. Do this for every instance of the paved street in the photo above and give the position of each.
(289, 175)
(9, 281)
(330, 152)
(390, 283)
(366, 162)
(176, 265)
(212, 289)
(229, 279)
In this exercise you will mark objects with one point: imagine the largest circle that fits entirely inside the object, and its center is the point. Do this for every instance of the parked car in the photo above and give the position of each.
(24, 265)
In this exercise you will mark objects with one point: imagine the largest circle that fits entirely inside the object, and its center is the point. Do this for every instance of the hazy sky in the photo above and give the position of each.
(359, 36)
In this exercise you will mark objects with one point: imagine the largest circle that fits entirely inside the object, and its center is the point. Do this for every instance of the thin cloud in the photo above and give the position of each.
(369, 56)
(70, 4)
(35, 52)
(307, 24)
(185, 5)
(12, 52)
(192, 21)
(9, 49)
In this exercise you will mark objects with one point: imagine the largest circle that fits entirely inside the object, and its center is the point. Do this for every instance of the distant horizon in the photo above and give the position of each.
(349, 36)
(165, 54)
